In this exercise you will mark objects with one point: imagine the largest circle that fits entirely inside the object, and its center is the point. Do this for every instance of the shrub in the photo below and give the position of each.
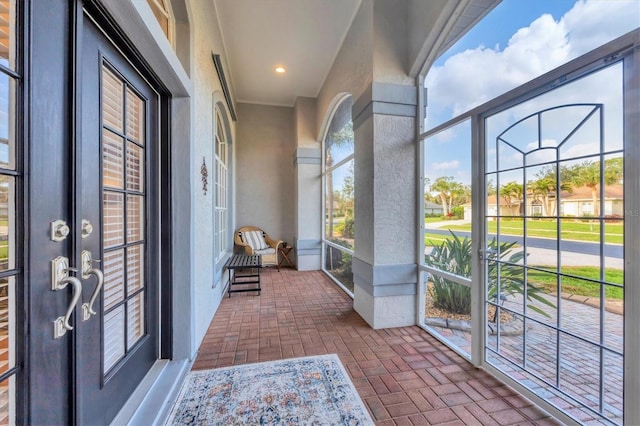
(348, 230)
(458, 212)
(454, 256)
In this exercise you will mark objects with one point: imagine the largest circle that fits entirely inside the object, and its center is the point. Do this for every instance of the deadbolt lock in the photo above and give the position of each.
(59, 230)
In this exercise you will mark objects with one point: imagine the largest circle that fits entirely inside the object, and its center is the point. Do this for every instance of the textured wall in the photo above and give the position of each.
(390, 42)
(308, 186)
(352, 70)
(305, 117)
(395, 191)
(207, 87)
(364, 184)
(265, 195)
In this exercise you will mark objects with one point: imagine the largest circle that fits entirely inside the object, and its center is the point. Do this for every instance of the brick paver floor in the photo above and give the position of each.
(578, 374)
(404, 375)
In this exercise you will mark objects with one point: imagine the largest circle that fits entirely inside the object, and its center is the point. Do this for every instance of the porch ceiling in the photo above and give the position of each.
(303, 35)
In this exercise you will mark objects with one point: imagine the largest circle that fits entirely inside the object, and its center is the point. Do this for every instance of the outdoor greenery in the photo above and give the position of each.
(454, 255)
(339, 202)
(339, 262)
(542, 189)
(448, 192)
(579, 286)
(570, 230)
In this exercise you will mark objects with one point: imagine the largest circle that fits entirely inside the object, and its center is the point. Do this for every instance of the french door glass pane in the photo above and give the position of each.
(135, 319)
(135, 117)
(123, 213)
(135, 218)
(135, 268)
(8, 137)
(7, 33)
(7, 401)
(113, 223)
(114, 347)
(7, 324)
(7, 223)
(135, 167)
(112, 97)
(112, 159)
(7, 121)
(113, 278)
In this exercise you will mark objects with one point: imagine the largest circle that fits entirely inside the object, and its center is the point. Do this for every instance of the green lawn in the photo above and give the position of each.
(580, 231)
(569, 284)
(433, 219)
(580, 287)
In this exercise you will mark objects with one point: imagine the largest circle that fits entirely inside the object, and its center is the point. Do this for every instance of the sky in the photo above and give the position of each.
(518, 41)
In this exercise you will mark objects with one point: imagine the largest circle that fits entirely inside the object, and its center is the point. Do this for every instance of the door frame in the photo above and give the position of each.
(62, 49)
(100, 16)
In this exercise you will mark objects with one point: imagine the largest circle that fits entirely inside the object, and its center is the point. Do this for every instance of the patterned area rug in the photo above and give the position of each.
(310, 390)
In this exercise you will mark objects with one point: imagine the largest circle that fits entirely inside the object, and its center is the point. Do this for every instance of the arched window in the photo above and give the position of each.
(162, 11)
(221, 214)
(339, 195)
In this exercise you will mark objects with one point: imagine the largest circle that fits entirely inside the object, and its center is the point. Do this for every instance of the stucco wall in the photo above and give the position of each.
(308, 184)
(352, 70)
(422, 18)
(395, 189)
(264, 169)
(390, 42)
(207, 39)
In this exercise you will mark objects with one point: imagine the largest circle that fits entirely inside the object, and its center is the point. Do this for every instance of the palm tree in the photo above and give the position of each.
(588, 174)
(510, 192)
(547, 185)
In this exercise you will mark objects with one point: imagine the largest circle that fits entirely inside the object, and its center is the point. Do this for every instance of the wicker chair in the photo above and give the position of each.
(269, 254)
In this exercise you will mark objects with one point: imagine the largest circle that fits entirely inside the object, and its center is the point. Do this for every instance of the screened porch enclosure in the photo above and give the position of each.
(543, 302)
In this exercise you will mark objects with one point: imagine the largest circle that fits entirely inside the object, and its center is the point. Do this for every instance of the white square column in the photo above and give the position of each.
(384, 266)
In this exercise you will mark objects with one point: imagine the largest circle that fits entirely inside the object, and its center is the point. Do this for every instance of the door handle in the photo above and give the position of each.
(60, 278)
(87, 271)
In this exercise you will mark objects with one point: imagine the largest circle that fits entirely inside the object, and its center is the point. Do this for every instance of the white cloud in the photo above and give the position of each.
(542, 46)
(446, 165)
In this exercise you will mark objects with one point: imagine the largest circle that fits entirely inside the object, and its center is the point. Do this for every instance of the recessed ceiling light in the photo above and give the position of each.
(280, 69)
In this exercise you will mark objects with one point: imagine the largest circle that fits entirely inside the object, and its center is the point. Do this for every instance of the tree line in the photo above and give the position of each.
(543, 188)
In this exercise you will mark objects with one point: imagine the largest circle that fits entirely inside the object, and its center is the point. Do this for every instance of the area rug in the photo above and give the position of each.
(298, 391)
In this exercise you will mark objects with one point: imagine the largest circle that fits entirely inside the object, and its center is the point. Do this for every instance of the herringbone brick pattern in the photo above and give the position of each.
(404, 376)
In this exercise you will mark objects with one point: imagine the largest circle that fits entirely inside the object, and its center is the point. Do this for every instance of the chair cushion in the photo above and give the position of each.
(255, 239)
(266, 251)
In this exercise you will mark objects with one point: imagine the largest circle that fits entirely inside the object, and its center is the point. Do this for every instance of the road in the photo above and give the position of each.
(582, 247)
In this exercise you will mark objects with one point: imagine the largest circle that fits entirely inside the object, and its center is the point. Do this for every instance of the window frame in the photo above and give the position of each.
(325, 244)
(221, 188)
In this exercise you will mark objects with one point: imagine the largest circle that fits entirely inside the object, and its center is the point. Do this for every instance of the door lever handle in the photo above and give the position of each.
(77, 290)
(60, 279)
(87, 271)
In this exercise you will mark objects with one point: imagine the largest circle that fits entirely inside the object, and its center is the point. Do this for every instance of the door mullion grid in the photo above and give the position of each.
(125, 219)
